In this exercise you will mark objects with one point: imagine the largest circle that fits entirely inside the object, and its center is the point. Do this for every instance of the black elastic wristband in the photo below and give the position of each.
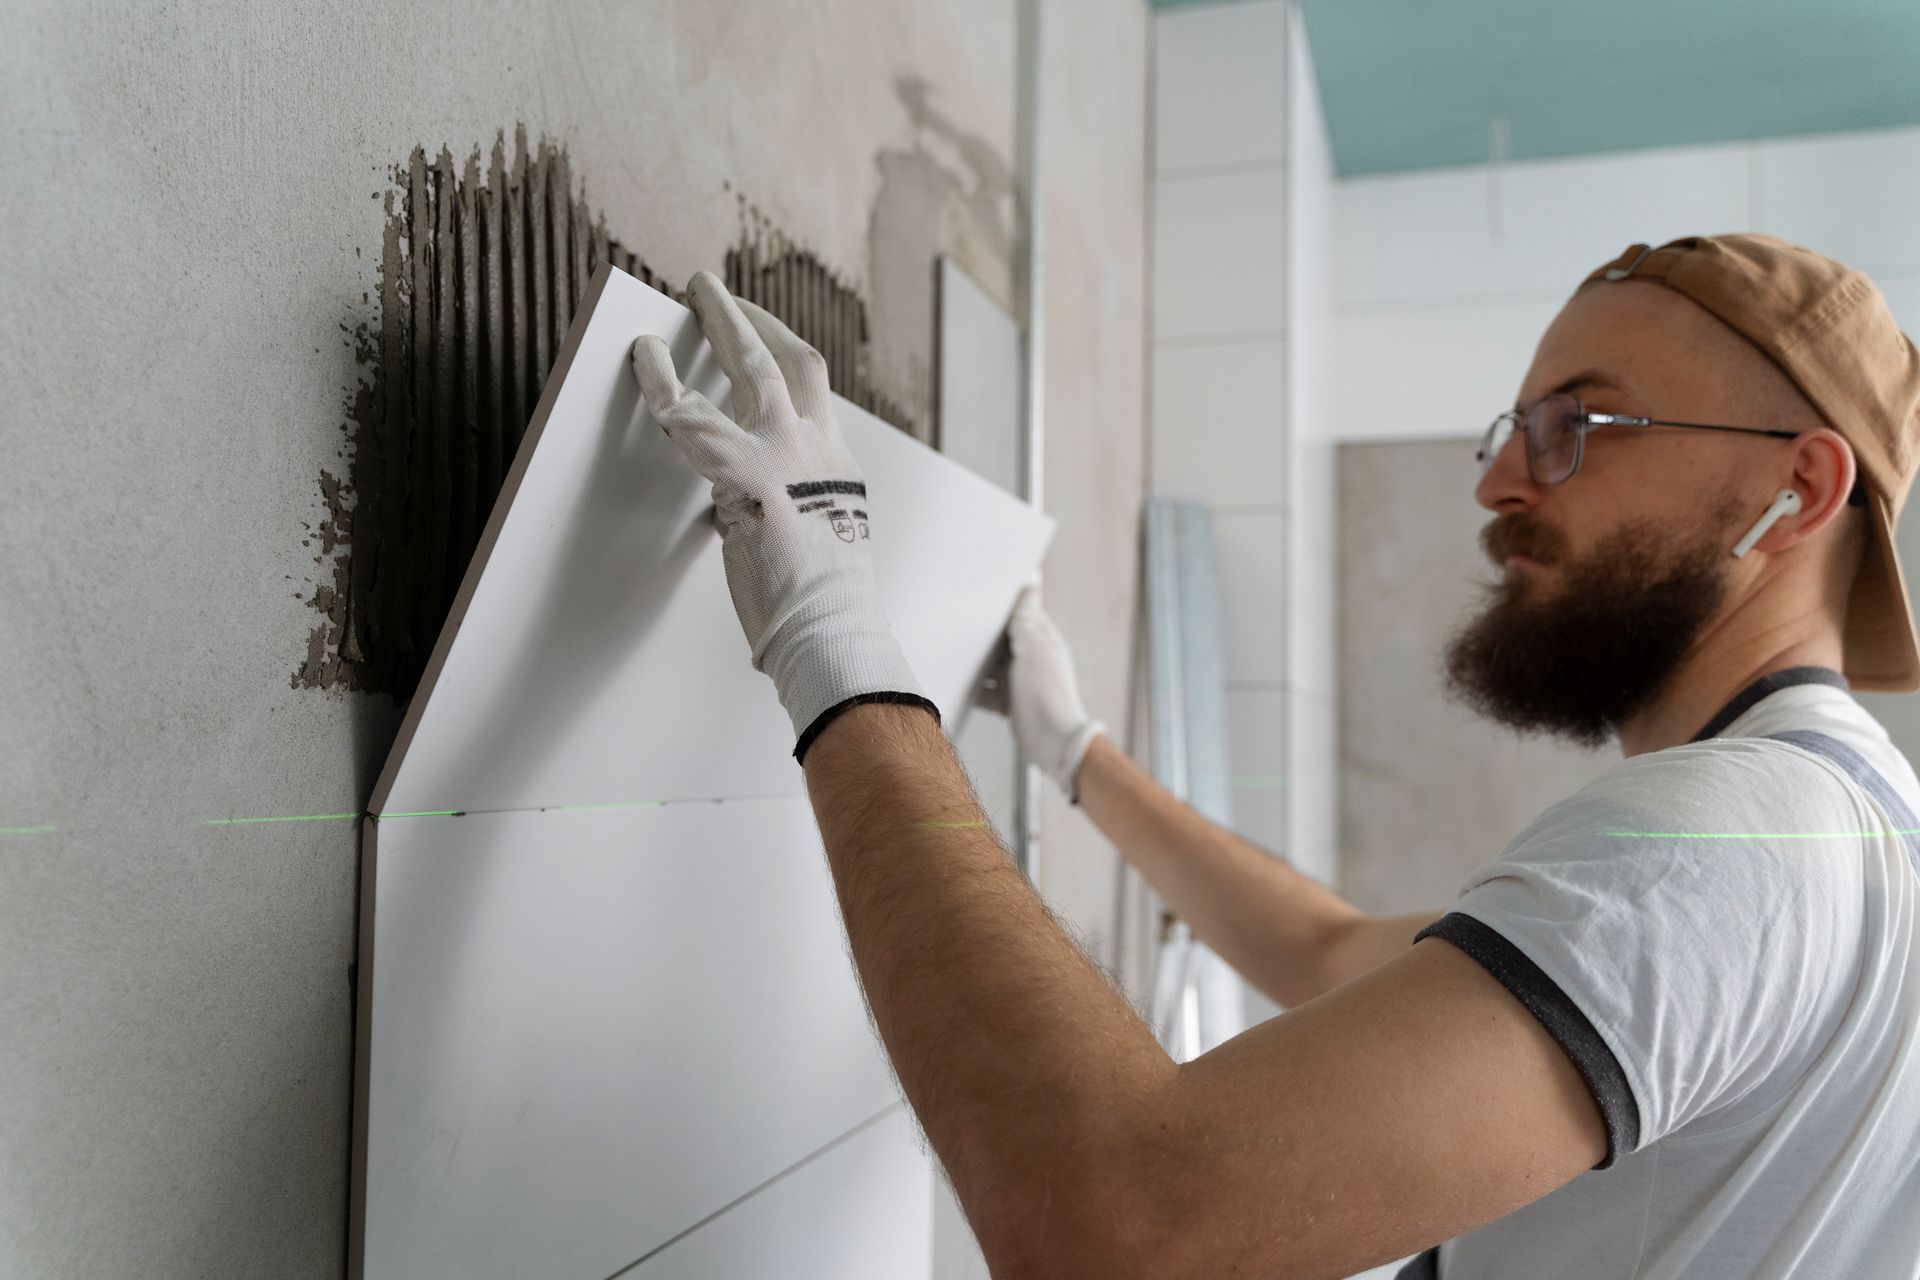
(833, 712)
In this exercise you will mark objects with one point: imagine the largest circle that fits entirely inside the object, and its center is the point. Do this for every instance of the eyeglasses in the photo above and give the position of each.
(1557, 427)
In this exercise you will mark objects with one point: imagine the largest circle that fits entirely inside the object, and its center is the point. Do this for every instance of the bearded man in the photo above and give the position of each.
(1673, 1029)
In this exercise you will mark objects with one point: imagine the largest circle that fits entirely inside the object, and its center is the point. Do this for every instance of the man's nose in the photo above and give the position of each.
(1506, 484)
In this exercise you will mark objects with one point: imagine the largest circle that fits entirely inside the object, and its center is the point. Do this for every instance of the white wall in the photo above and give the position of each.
(1444, 280)
(1219, 325)
(1218, 321)
(1313, 810)
(1243, 285)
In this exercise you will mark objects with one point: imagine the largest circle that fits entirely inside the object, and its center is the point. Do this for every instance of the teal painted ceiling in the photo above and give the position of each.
(1413, 84)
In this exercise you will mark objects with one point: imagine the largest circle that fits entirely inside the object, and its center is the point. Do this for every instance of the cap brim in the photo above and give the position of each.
(1882, 653)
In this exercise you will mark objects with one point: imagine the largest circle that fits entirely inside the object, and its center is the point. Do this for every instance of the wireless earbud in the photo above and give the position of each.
(1785, 505)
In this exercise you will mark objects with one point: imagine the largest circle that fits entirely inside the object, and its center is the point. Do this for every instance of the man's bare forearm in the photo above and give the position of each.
(1027, 1070)
(1286, 933)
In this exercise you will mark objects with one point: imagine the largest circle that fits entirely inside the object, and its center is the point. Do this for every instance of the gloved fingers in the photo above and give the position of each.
(758, 388)
(1029, 622)
(689, 419)
(804, 368)
(653, 369)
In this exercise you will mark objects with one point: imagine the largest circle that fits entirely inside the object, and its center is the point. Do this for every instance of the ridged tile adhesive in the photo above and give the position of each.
(481, 269)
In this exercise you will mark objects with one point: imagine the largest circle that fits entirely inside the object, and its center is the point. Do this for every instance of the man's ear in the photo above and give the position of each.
(1824, 475)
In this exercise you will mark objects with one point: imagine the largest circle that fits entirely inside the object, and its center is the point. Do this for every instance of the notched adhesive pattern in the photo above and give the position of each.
(482, 265)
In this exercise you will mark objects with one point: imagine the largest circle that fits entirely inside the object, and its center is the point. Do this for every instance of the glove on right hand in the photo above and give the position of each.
(1040, 694)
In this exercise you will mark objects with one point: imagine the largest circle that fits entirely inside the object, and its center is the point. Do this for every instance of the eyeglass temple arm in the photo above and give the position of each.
(1857, 498)
(1627, 420)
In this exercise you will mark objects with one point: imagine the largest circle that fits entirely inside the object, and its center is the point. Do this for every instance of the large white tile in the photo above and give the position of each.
(1256, 733)
(1852, 196)
(593, 649)
(1252, 556)
(1537, 230)
(1260, 815)
(1312, 566)
(1220, 84)
(978, 396)
(1257, 737)
(860, 1210)
(1219, 422)
(956, 1253)
(1219, 255)
(589, 1030)
(1309, 147)
(1430, 372)
(1313, 777)
(1257, 755)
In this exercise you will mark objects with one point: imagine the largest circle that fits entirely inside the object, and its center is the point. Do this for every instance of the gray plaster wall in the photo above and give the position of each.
(191, 227)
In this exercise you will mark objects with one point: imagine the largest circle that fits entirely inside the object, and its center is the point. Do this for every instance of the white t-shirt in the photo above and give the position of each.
(1722, 937)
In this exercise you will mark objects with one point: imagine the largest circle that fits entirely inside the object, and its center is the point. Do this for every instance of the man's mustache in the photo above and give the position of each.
(1517, 535)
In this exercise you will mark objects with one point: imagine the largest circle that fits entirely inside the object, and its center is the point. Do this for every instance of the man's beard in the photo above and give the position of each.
(1579, 657)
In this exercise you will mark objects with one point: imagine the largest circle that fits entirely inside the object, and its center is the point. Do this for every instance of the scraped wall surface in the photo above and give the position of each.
(186, 271)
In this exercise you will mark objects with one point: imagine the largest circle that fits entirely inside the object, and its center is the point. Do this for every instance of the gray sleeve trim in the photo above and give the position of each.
(1559, 1015)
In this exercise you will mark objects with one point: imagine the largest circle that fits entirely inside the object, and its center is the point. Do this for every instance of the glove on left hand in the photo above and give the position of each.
(791, 507)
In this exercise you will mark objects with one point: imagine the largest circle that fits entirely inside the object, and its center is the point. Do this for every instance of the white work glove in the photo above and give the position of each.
(1039, 693)
(790, 503)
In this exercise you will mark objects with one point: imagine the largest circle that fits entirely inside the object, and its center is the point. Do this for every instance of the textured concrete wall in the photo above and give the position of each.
(190, 231)
(1428, 791)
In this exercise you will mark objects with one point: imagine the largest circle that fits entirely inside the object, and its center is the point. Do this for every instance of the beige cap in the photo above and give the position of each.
(1829, 329)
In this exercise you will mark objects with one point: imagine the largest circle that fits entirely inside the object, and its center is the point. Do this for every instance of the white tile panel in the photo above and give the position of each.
(977, 367)
(1419, 373)
(1313, 809)
(1252, 559)
(1219, 255)
(1220, 84)
(956, 1254)
(1853, 196)
(592, 654)
(1312, 553)
(860, 1210)
(1260, 815)
(1257, 737)
(591, 1029)
(1219, 422)
(1257, 750)
(1455, 235)
(1312, 796)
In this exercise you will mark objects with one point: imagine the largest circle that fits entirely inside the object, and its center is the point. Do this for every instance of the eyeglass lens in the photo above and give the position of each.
(1553, 442)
